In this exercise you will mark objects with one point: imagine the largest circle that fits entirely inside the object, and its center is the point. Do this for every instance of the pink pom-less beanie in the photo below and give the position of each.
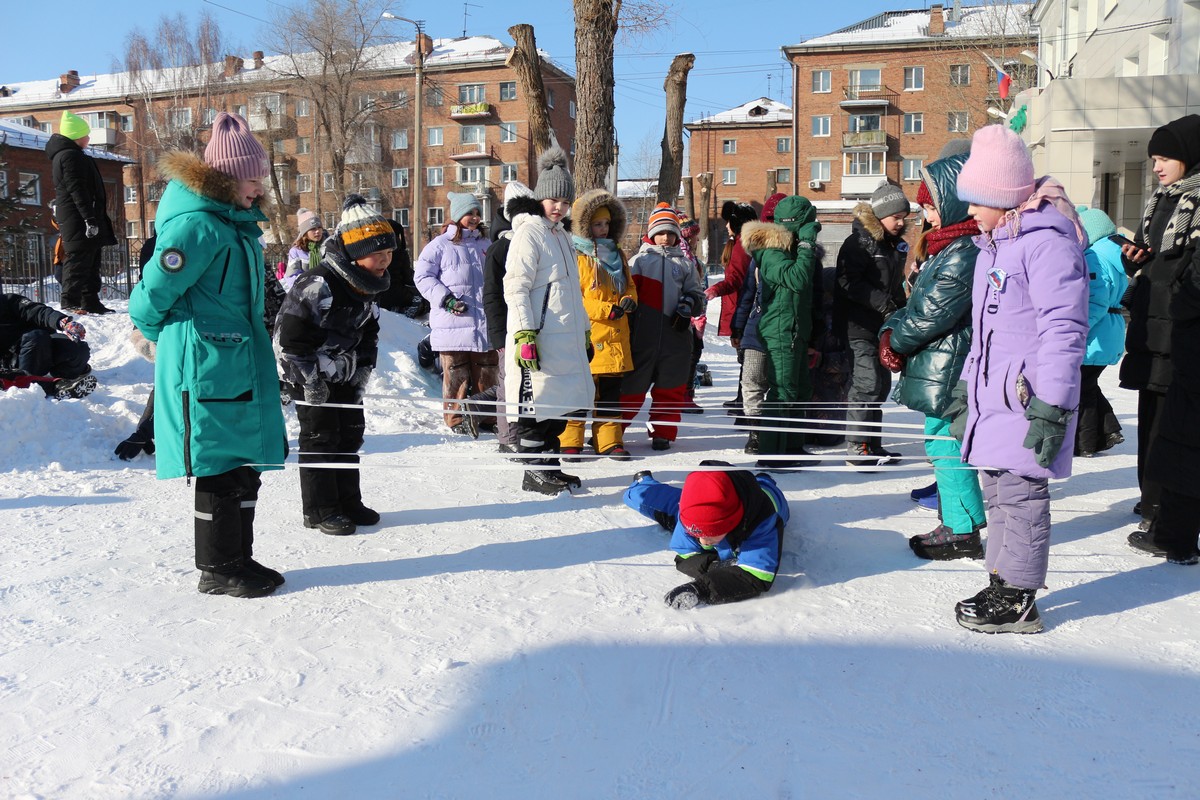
(232, 149)
(999, 171)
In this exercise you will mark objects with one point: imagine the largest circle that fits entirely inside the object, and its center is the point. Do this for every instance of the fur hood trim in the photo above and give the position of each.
(191, 170)
(765, 236)
(142, 346)
(522, 205)
(871, 224)
(587, 204)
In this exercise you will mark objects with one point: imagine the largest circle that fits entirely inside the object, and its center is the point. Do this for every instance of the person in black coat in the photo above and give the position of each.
(402, 295)
(81, 211)
(518, 199)
(37, 341)
(870, 286)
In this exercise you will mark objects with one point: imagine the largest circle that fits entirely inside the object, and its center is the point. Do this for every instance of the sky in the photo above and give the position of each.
(737, 54)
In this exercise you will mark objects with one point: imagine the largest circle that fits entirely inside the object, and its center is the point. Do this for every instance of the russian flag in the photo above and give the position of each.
(1003, 80)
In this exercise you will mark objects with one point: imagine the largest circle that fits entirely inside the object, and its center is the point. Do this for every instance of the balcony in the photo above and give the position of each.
(470, 110)
(866, 95)
(364, 153)
(473, 153)
(103, 137)
(865, 140)
(858, 186)
(270, 122)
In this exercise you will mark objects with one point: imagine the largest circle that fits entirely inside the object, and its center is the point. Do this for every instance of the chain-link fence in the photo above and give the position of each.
(26, 267)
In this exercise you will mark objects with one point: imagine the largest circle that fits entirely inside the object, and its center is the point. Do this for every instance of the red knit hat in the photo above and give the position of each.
(768, 212)
(709, 506)
(924, 198)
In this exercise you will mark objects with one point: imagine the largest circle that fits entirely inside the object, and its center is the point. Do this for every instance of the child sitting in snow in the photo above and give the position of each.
(726, 530)
(328, 336)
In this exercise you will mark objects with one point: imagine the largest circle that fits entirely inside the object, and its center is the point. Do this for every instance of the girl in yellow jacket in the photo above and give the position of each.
(608, 296)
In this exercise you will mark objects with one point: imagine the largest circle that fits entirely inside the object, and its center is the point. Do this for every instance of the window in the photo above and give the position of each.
(330, 221)
(508, 173)
(956, 121)
(783, 144)
(400, 215)
(133, 229)
(436, 215)
(960, 74)
(472, 175)
(402, 98)
(549, 98)
(914, 123)
(327, 181)
(150, 229)
(471, 93)
(280, 146)
(508, 132)
(729, 146)
(433, 176)
(179, 118)
(29, 188)
(472, 134)
(914, 79)
(400, 178)
(783, 176)
(821, 125)
(508, 90)
(571, 109)
(729, 177)
(861, 123)
(130, 194)
(3, 183)
(820, 170)
(357, 181)
(822, 81)
(241, 111)
(864, 164)
(303, 183)
(303, 145)
(365, 102)
(434, 97)
(302, 107)
(400, 139)
(912, 169)
(435, 137)
(865, 78)
(155, 190)
(126, 123)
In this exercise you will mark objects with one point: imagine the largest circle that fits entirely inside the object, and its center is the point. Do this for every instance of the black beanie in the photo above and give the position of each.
(1178, 139)
(737, 215)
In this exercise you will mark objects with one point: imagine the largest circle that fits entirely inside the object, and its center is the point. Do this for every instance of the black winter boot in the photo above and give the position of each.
(350, 496)
(248, 562)
(751, 448)
(334, 525)
(543, 482)
(943, 544)
(1001, 608)
(239, 583)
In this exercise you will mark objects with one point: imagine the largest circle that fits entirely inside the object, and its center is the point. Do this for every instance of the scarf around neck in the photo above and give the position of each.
(1183, 226)
(605, 252)
(937, 239)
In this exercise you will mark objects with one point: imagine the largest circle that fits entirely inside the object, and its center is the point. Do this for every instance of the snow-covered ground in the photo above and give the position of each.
(485, 642)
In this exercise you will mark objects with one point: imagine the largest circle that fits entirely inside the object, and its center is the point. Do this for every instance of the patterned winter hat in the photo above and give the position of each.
(709, 506)
(687, 225)
(663, 219)
(232, 149)
(73, 127)
(361, 230)
(888, 200)
(554, 179)
(999, 171)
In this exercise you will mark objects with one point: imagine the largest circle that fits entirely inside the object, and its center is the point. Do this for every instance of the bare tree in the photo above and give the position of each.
(597, 23)
(671, 169)
(326, 47)
(527, 64)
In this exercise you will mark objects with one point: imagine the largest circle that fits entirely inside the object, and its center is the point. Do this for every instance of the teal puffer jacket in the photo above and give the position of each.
(201, 299)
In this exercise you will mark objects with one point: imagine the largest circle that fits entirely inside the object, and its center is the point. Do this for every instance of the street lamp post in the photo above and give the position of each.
(416, 182)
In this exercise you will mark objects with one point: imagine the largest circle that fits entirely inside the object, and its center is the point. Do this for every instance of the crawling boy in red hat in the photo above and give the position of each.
(726, 530)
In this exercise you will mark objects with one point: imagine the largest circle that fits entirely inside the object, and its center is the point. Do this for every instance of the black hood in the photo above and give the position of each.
(58, 143)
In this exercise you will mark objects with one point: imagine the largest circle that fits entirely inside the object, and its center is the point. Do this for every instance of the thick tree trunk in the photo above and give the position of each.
(672, 142)
(689, 197)
(705, 180)
(595, 31)
(527, 64)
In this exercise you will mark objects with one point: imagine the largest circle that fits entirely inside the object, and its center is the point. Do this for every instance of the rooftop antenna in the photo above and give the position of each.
(769, 76)
(466, 14)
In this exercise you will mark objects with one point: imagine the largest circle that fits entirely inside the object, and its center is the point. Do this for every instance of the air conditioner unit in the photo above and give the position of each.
(816, 184)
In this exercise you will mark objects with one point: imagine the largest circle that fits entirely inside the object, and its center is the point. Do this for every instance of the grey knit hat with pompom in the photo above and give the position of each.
(553, 177)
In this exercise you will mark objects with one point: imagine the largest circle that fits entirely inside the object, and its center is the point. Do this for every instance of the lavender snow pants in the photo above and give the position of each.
(1018, 529)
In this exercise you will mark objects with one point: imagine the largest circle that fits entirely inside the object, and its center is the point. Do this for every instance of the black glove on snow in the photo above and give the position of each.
(687, 596)
(133, 446)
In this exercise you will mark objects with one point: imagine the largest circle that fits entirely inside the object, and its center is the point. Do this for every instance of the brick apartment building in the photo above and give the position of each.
(474, 134)
(26, 233)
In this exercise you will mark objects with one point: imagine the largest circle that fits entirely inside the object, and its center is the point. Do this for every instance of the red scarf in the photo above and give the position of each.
(937, 239)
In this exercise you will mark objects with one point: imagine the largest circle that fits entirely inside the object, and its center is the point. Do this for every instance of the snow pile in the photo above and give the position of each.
(486, 642)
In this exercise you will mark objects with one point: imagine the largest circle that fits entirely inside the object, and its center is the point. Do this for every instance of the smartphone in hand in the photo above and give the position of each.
(1138, 252)
(1124, 240)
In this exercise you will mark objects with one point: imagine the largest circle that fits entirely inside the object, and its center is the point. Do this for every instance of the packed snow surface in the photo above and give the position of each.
(485, 642)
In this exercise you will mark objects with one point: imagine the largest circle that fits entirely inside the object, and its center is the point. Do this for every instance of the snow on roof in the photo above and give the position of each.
(992, 20)
(15, 134)
(640, 188)
(114, 86)
(764, 109)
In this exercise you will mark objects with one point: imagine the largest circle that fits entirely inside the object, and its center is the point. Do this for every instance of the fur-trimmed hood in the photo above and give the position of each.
(192, 171)
(865, 217)
(587, 204)
(766, 236)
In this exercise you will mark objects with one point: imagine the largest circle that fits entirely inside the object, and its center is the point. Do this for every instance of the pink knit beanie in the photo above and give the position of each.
(999, 171)
(232, 149)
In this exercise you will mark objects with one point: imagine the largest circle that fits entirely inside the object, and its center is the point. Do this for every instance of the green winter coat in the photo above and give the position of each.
(786, 254)
(201, 299)
(934, 328)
